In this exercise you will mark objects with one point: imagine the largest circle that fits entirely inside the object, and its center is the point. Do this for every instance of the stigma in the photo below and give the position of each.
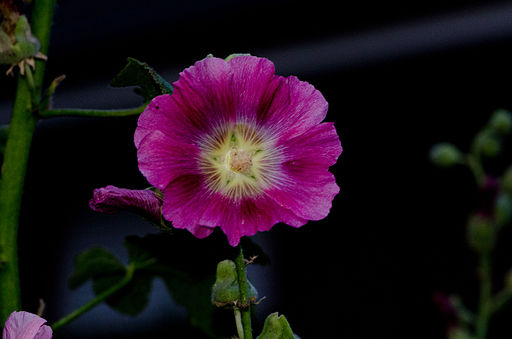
(239, 160)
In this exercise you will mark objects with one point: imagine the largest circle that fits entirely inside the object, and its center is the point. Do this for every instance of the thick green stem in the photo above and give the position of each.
(245, 303)
(98, 300)
(70, 112)
(22, 125)
(485, 302)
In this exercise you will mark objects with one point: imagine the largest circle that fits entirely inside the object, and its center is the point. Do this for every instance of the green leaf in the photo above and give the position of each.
(186, 264)
(137, 253)
(149, 83)
(93, 263)
(131, 299)
(194, 295)
(277, 327)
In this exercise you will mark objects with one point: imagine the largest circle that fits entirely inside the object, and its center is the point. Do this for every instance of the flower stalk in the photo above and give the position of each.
(17, 149)
(485, 302)
(245, 303)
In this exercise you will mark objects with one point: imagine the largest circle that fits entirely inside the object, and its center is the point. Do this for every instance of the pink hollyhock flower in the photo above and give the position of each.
(25, 325)
(238, 147)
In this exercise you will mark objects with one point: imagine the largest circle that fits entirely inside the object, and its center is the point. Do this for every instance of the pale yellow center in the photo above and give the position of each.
(237, 162)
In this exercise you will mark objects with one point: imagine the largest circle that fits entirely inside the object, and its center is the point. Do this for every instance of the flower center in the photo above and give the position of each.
(239, 160)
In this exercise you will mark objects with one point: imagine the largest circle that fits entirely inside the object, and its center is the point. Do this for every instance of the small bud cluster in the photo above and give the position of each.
(494, 212)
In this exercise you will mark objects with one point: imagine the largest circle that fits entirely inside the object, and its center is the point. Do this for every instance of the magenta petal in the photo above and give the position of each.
(112, 199)
(309, 188)
(296, 107)
(187, 204)
(202, 99)
(318, 148)
(255, 83)
(162, 159)
(25, 325)
(201, 232)
(156, 116)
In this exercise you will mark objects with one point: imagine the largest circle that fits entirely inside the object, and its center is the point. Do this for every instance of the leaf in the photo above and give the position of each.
(131, 299)
(195, 297)
(94, 263)
(187, 266)
(105, 270)
(149, 83)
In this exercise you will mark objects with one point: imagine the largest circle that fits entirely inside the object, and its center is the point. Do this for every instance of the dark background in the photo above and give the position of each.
(398, 77)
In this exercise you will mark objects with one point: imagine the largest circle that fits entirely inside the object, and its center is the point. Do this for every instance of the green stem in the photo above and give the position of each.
(476, 168)
(22, 125)
(485, 302)
(98, 300)
(245, 304)
(238, 321)
(500, 300)
(92, 112)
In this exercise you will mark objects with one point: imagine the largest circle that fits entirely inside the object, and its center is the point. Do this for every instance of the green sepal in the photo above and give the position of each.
(226, 290)
(234, 55)
(277, 327)
(149, 83)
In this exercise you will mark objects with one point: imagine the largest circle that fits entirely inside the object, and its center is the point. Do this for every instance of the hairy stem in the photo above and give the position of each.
(70, 112)
(17, 149)
(245, 307)
(98, 300)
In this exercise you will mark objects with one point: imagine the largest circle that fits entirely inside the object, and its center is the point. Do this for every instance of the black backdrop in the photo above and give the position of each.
(395, 234)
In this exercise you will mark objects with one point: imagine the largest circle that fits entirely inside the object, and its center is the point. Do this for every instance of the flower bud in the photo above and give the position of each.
(501, 121)
(480, 234)
(112, 199)
(445, 155)
(21, 46)
(487, 144)
(277, 327)
(226, 289)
